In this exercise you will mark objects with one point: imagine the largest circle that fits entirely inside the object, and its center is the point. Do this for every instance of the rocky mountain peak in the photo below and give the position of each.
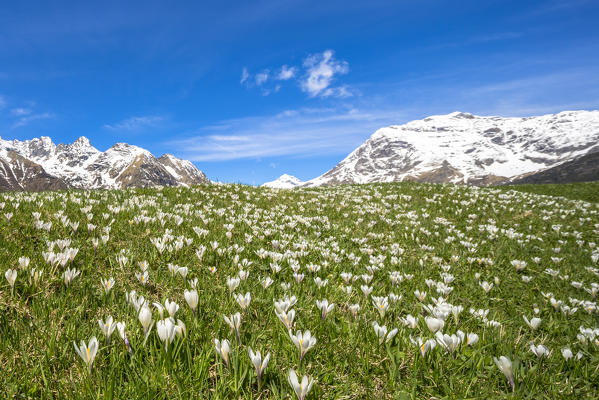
(80, 165)
(285, 181)
(82, 141)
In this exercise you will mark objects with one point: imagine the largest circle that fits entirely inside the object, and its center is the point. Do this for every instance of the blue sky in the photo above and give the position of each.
(250, 90)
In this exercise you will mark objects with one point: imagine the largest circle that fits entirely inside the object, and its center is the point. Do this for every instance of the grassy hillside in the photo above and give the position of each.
(587, 191)
(480, 259)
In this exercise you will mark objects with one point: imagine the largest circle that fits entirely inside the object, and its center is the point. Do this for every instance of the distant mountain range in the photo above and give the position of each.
(39, 164)
(456, 148)
(467, 149)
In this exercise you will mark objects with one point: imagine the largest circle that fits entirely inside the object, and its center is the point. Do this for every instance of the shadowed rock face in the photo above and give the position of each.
(18, 173)
(581, 169)
(39, 164)
(185, 172)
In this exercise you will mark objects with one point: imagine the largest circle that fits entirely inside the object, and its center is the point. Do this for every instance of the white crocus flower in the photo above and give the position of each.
(324, 307)
(232, 283)
(540, 351)
(286, 318)
(234, 321)
(354, 309)
(69, 275)
(183, 271)
(505, 366)
(303, 342)
(420, 295)
(192, 298)
(166, 331)
(448, 342)
(534, 322)
(455, 311)
(258, 363)
(423, 346)
(434, 324)
(302, 388)
(366, 290)
(243, 300)
(193, 283)
(486, 286)
(180, 328)
(383, 335)
(87, 352)
(381, 304)
(567, 353)
(120, 326)
(142, 277)
(35, 276)
(24, 262)
(107, 284)
(266, 282)
(223, 349)
(160, 309)
(471, 339)
(107, 327)
(285, 304)
(410, 321)
(11, 277)
(171, 307)
(145, 318)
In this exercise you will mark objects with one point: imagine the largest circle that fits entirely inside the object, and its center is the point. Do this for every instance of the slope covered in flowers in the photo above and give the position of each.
(408, 291)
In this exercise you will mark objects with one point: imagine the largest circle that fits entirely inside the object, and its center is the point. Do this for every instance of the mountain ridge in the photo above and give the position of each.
(467, 149)
(40, 164)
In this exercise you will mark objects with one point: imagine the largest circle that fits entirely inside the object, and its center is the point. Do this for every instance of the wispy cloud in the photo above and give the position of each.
(244, 75)
(286, 73)
(20, 111)
(30, 118)
(262, 77)
(560, 6)
(135, 123)
(299, 133)
(493, 37)
(321, 69)
(568, 78)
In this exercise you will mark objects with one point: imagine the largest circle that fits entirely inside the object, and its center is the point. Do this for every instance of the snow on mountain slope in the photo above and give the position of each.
(284, 182)
(464, 148)
(80, 165)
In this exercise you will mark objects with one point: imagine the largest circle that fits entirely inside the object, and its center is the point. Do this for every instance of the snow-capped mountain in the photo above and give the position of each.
(284, 182)
(39, 164)
(464, 148)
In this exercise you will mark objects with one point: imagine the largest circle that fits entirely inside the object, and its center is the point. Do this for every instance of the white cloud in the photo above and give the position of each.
(300, 133)
(262, 77)
(267, 91)
(20, 111)
(244, 75)
(135, 123)
(318, 72)
(321, 69)
(340, 91)
(30, 118)
(286, 73)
